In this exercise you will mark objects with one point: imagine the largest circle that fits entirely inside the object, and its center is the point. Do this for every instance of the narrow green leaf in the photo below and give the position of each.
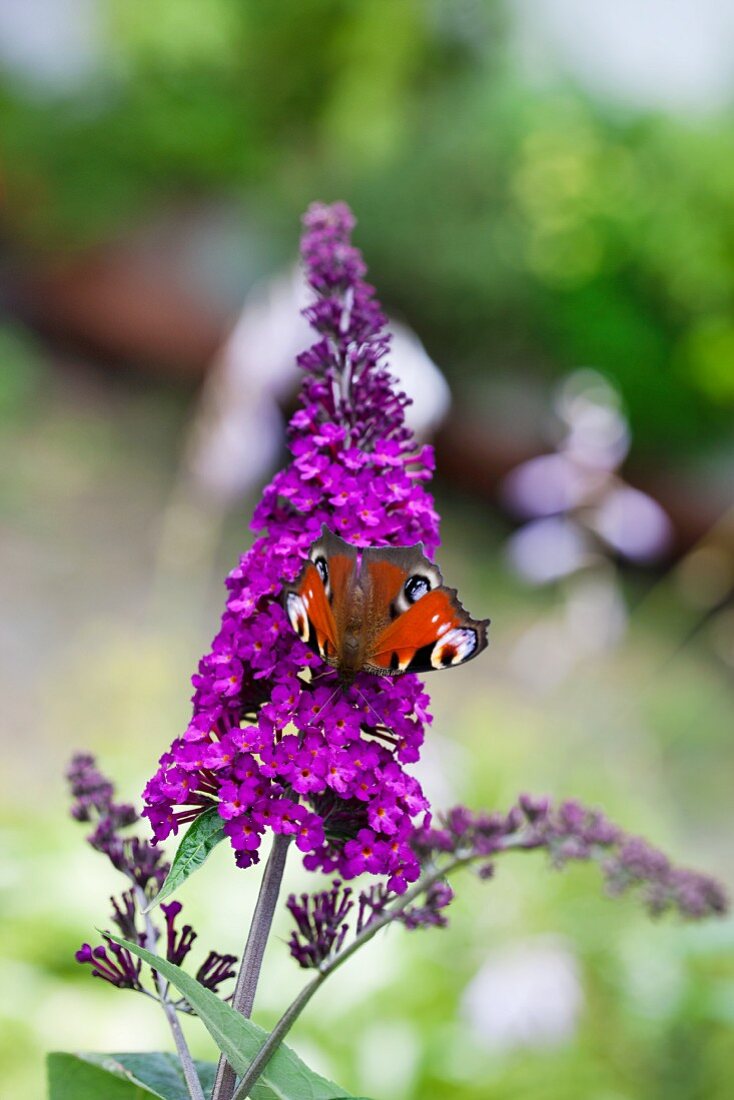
(128, 1076)
(286, 1076)
(201, 837)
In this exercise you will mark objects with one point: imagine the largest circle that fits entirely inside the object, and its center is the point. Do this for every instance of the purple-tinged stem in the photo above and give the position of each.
(187, 1063)
(294, 1010)
(252, 957)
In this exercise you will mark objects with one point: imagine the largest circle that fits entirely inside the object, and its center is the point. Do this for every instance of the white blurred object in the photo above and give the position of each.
(579, 508)
(597, 431)
(51, 45)
(579, 513)
(542, 657)
(546, 550)
(591, 619)
(632, 523)
(526, 995)
(662, 54)
(594, 613)
(238, 433)
(388, 1057)
(441, 769)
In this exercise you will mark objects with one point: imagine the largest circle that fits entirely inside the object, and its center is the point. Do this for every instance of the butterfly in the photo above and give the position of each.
(383, 610)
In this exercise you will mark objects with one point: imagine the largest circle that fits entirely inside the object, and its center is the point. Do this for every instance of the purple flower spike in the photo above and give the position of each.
(273, 748)
(92, 792)
(568, 832)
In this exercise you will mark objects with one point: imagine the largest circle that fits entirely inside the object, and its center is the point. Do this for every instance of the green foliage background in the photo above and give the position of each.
(515, 224)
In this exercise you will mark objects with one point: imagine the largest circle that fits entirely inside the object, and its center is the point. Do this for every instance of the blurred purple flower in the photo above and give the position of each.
(571, 831)
(93, 796)
(549, 549)
(632, 523)
(143, 865)
(355, 465)
(567, 832)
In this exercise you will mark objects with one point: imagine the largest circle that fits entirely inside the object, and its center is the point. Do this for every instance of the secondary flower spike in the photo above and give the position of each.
(144, 867)
(274, 749)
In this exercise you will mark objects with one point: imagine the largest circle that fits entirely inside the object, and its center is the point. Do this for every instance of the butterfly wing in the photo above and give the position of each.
(420, 625)
(314, 600)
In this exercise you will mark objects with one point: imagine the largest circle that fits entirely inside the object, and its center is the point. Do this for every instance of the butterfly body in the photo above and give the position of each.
(383, 610)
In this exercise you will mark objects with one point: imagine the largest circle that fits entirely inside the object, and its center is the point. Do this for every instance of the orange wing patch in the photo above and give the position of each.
(436, 632)
(341, 571)
(385, 583)
(310, 614)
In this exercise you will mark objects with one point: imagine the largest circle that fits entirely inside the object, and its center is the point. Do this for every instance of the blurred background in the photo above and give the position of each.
(545, 195)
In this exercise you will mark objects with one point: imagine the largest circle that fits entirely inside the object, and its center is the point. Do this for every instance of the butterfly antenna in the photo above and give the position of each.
(326, 702)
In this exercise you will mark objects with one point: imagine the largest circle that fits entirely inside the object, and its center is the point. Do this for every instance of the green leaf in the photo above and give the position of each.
(201, 837)
(286, 1076)
(122, 1076)
(162, 1072)
(91, 1076)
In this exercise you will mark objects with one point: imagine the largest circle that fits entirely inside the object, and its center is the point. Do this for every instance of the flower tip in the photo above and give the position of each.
(171, 910)
(336, 216)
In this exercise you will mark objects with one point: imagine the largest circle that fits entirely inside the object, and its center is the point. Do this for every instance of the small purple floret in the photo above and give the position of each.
(321, 924)
(112, 963)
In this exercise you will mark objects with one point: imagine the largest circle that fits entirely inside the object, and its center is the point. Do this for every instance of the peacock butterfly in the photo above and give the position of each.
(383, 610)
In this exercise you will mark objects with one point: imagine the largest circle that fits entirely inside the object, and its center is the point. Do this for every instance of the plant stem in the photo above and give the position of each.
(257, 938)
(187, 1063)
(294, 1010)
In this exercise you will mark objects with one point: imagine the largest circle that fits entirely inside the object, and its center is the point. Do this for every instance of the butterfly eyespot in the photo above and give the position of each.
(323, 569)
(454, 646)
(415, 587)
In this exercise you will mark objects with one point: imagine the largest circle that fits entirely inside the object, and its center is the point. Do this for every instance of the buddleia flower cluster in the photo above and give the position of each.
(274, 742)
